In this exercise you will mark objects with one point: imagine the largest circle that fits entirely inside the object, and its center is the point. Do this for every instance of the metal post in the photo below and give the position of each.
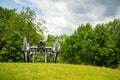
(45, 56)
(26, 60)
(33, 57)
(53, 56)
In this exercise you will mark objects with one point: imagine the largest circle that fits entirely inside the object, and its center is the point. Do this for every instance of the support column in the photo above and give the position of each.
(45, 56)
(26, 60)
(33, 57)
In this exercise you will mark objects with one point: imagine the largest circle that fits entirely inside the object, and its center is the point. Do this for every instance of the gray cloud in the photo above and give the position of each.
(81, 9)
(111, 6)
(85, 6)
(78, 9)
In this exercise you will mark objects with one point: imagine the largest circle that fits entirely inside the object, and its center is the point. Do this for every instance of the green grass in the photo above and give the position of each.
(42, 71)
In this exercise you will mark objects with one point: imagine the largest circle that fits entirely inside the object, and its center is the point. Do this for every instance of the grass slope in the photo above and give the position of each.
(42, 71)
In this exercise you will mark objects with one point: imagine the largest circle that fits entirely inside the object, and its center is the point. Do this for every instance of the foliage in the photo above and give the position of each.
(95, 46)
(13, 27)
(50, 40)
(87, 45)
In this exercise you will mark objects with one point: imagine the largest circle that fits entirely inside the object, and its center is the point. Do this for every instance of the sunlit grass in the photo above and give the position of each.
(42, 71)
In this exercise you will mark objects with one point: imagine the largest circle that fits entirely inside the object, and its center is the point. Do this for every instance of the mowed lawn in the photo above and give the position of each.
(50, 71)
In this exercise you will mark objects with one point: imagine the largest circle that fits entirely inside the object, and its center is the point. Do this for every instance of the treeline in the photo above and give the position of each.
(98, 45)
(13, 27)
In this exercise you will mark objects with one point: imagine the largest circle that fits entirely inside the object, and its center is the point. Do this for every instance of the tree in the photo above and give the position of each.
(114, 28)
(50, 40)
(76, 47)
(13, 27)
(105, 55)
(95, 46)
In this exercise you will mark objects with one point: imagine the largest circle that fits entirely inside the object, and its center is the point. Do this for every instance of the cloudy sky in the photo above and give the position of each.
(63, 16)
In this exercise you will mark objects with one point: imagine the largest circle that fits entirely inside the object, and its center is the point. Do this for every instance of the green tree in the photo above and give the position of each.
(114, 28)
(94, 46)
(13, 27)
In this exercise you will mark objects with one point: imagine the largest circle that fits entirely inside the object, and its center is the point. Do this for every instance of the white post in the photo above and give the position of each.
(33, 59)
(45, 56)
(26, 56)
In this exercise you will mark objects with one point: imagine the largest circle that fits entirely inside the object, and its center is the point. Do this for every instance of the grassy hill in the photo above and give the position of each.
(42, 71)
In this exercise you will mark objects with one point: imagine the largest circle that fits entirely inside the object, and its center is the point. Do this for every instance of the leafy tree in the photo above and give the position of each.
(114, 28)
(94, 46)
(79, 42)
(105, 55)
(13, 27)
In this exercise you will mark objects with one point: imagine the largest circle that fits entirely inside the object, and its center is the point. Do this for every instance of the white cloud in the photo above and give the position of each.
(63, 16)
(20, 2)
(55, 14)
